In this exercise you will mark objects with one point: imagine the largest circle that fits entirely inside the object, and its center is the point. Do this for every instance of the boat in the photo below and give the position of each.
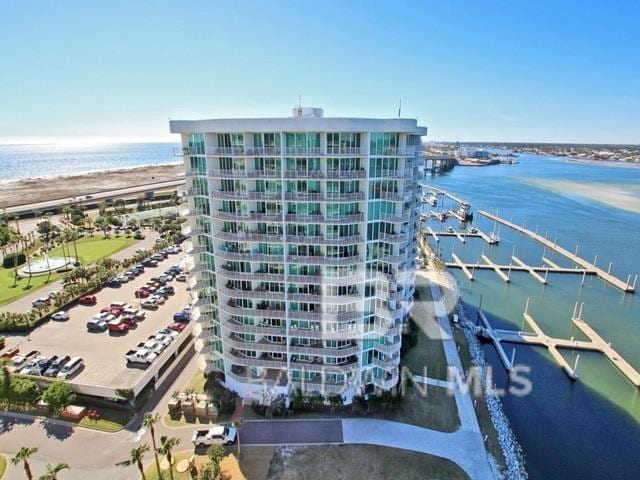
(443, 216)
(464, 212)
(473, 230)
(450, 229)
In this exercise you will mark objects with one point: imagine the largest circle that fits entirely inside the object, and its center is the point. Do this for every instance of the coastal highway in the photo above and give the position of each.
(94, 197)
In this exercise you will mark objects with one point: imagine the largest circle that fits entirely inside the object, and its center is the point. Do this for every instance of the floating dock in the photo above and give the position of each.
(531, 270)
(604, 275)
(497, 268)
(538, 338)
(464, 267)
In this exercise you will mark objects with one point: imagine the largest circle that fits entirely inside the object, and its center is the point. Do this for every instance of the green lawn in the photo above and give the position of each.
(90, 249)
(102, 425)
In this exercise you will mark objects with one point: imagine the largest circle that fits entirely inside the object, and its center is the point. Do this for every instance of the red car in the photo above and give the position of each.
(129, 320)
(88, 300)
(142, 293)
(112, 310)
(177, 326)
(118, 326)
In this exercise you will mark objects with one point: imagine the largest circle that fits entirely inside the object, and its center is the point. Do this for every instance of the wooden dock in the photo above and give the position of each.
(445, 193)
(519, 268)
(604, 275)
(538, 338)
(461, 265)
(549, 262)
(491, 334)
(497, 268)
(531, 270)
(465, 235)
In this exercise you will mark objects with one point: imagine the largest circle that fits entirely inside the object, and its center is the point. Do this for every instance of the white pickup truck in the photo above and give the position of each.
(213, 436)
(142, 356)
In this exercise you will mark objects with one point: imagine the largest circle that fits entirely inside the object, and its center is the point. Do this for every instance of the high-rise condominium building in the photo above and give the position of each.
(304, 244)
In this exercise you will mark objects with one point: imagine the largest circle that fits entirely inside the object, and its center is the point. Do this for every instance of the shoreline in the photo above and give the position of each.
(50, 188)
(4, 182)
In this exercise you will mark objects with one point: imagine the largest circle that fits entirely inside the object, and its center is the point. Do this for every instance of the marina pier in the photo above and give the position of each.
(538, 338)
(586, 265)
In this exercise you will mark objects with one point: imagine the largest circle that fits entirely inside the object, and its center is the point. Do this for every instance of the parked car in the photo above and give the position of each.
(159, 299)
(138, 235)
(118, 326)
(70, 368)
(41, 302)
(39, 366)
(149, 304)
(149, 262)
(122, 279)
(165, 340)
(169, 332)
(181, 316)
(21, 360)
(112, 310)
(177, 326)
(120, 305)
(140, 356)
(52, 295)
(134, 313)
(55, 366)
(142, 293)
(88, 300)
(113, 283)
(152, 345)
(60, 316)
(181, 278)
(216, 435)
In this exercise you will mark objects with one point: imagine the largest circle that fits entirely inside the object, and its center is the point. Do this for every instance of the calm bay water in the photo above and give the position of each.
(589, 429)
(26, 161)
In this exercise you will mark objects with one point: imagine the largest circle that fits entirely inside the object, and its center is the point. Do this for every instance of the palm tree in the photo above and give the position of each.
(52, 472)
(166, 445)
(135, 458)
(23, 456)
(149, 421)
(69, 234)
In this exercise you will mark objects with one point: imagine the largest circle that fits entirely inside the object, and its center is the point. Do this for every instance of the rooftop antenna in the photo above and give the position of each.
(400, 108)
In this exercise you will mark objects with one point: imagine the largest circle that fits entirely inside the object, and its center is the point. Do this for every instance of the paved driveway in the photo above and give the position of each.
(291, 432)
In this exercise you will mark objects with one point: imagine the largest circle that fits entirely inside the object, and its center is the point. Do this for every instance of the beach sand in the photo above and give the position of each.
(624, 197)
(33, 190)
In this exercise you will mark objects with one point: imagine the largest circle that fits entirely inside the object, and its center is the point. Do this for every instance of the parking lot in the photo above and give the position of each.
(104, 352)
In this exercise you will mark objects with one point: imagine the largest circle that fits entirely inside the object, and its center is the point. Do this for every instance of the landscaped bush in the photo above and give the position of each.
(12, 259)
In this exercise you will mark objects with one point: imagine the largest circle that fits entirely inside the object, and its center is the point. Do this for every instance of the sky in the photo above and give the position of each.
(534, 71)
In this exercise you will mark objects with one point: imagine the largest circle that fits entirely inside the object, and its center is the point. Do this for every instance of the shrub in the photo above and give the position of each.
(10, 259)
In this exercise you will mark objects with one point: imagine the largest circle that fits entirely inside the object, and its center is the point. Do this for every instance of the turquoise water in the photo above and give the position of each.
(27, 161)
(590, 428)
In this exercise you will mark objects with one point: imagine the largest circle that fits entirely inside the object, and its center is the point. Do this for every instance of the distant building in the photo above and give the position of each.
(304, 245)
(472, 152)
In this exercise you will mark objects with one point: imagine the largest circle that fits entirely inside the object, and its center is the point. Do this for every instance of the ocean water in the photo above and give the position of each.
(589, 429)
(28, 161)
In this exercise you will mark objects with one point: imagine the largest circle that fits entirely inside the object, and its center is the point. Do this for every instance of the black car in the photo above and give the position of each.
(112, 283)
(56, 365)
(149, 262)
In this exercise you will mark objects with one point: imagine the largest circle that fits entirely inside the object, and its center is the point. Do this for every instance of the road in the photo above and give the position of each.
(123, 192)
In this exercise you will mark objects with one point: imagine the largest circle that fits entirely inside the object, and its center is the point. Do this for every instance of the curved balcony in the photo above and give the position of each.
(249, 276)
(388, 348)
(386, 313)
(321, 240)
(262, 361)
(248, 217)
(247, 237)
(393, 238)
(252, 294)
(252, 312)
(389, 258)
(388, 363)
(389, 381)
(195, 249)
(325, 367)
(329, 317)
(303, 151)
(248, 256)
(267, 380)
(237, 327)
(244, 151)
(325, 197)
(321, 351)
(324, 298)
(319, 218)
(324, 260)
(394, 152)
(324, 280)
(393, 217)
(261, 346)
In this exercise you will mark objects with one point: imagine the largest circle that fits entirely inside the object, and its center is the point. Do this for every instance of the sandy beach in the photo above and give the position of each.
(33, 190)
(622, 196)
